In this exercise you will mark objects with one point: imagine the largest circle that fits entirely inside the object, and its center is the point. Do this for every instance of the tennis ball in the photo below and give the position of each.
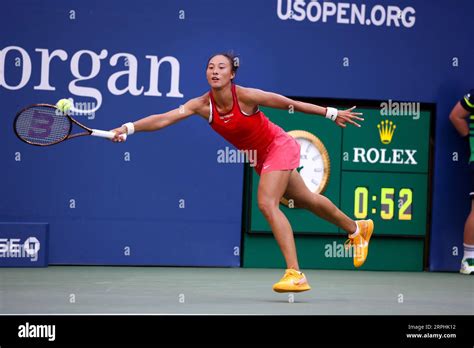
(64, 105)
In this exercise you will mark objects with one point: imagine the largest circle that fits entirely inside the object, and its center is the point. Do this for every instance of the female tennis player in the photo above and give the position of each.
(233, 112)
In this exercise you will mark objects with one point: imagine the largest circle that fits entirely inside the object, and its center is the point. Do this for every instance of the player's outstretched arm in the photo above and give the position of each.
(273, 100)
(155, 122)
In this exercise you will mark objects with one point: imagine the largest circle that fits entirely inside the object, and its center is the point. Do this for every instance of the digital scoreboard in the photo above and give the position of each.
(385, 171)
(380, 171)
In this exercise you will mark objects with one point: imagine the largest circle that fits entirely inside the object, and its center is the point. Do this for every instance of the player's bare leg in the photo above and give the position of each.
(359, 232)
(317, 204)
(467, 264)
(270, 190)
(469, 227)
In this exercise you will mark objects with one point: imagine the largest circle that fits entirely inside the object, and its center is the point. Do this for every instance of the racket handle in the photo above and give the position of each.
(106, 134)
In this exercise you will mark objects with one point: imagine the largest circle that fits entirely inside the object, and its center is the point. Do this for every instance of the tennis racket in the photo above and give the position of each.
(44, 125)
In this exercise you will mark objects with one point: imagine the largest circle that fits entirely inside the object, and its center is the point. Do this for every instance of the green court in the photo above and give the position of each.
(166, 290)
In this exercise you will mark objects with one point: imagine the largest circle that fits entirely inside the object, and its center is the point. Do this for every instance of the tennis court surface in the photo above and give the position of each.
(171, 290)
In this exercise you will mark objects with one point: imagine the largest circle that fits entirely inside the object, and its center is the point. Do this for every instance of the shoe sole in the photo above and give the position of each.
(296, 290)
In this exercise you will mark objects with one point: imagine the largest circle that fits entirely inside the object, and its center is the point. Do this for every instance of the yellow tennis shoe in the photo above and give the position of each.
(292, 281)
(360, 243)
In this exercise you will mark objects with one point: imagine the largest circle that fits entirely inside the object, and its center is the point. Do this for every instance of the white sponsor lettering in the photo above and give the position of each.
(346, 13)
(395, 156)
(91, 64)
(12, 248)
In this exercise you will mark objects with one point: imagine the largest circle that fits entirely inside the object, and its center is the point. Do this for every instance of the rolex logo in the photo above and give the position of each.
(386, 130)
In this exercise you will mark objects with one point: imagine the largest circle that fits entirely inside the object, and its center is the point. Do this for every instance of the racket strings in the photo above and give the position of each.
(42, 125)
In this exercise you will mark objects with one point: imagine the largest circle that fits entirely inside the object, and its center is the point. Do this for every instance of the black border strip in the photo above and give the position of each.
(221, 330)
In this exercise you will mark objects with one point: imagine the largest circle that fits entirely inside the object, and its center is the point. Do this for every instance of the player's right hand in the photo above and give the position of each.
(118, 132)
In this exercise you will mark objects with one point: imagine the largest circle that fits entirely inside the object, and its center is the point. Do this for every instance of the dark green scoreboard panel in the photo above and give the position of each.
(379, 171)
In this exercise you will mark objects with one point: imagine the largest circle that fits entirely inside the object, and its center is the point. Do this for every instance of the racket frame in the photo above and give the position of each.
(88, 131)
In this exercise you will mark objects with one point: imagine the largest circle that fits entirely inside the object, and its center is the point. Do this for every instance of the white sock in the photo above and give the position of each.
(356, 233)
(468, 251)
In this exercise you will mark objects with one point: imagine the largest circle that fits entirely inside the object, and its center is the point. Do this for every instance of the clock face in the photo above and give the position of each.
(312, 164)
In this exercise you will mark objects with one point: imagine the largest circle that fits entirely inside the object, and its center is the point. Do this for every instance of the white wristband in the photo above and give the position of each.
(331, 113)
(130, 128)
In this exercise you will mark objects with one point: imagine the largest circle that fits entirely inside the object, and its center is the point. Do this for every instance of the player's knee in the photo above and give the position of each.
(267, 206)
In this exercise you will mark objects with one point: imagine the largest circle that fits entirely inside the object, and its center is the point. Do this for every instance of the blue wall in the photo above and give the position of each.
(136, 203)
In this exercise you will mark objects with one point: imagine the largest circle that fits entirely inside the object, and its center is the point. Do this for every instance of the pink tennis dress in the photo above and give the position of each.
(274, 148)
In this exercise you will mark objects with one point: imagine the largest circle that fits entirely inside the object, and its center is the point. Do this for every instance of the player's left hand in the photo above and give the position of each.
(347, 116)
